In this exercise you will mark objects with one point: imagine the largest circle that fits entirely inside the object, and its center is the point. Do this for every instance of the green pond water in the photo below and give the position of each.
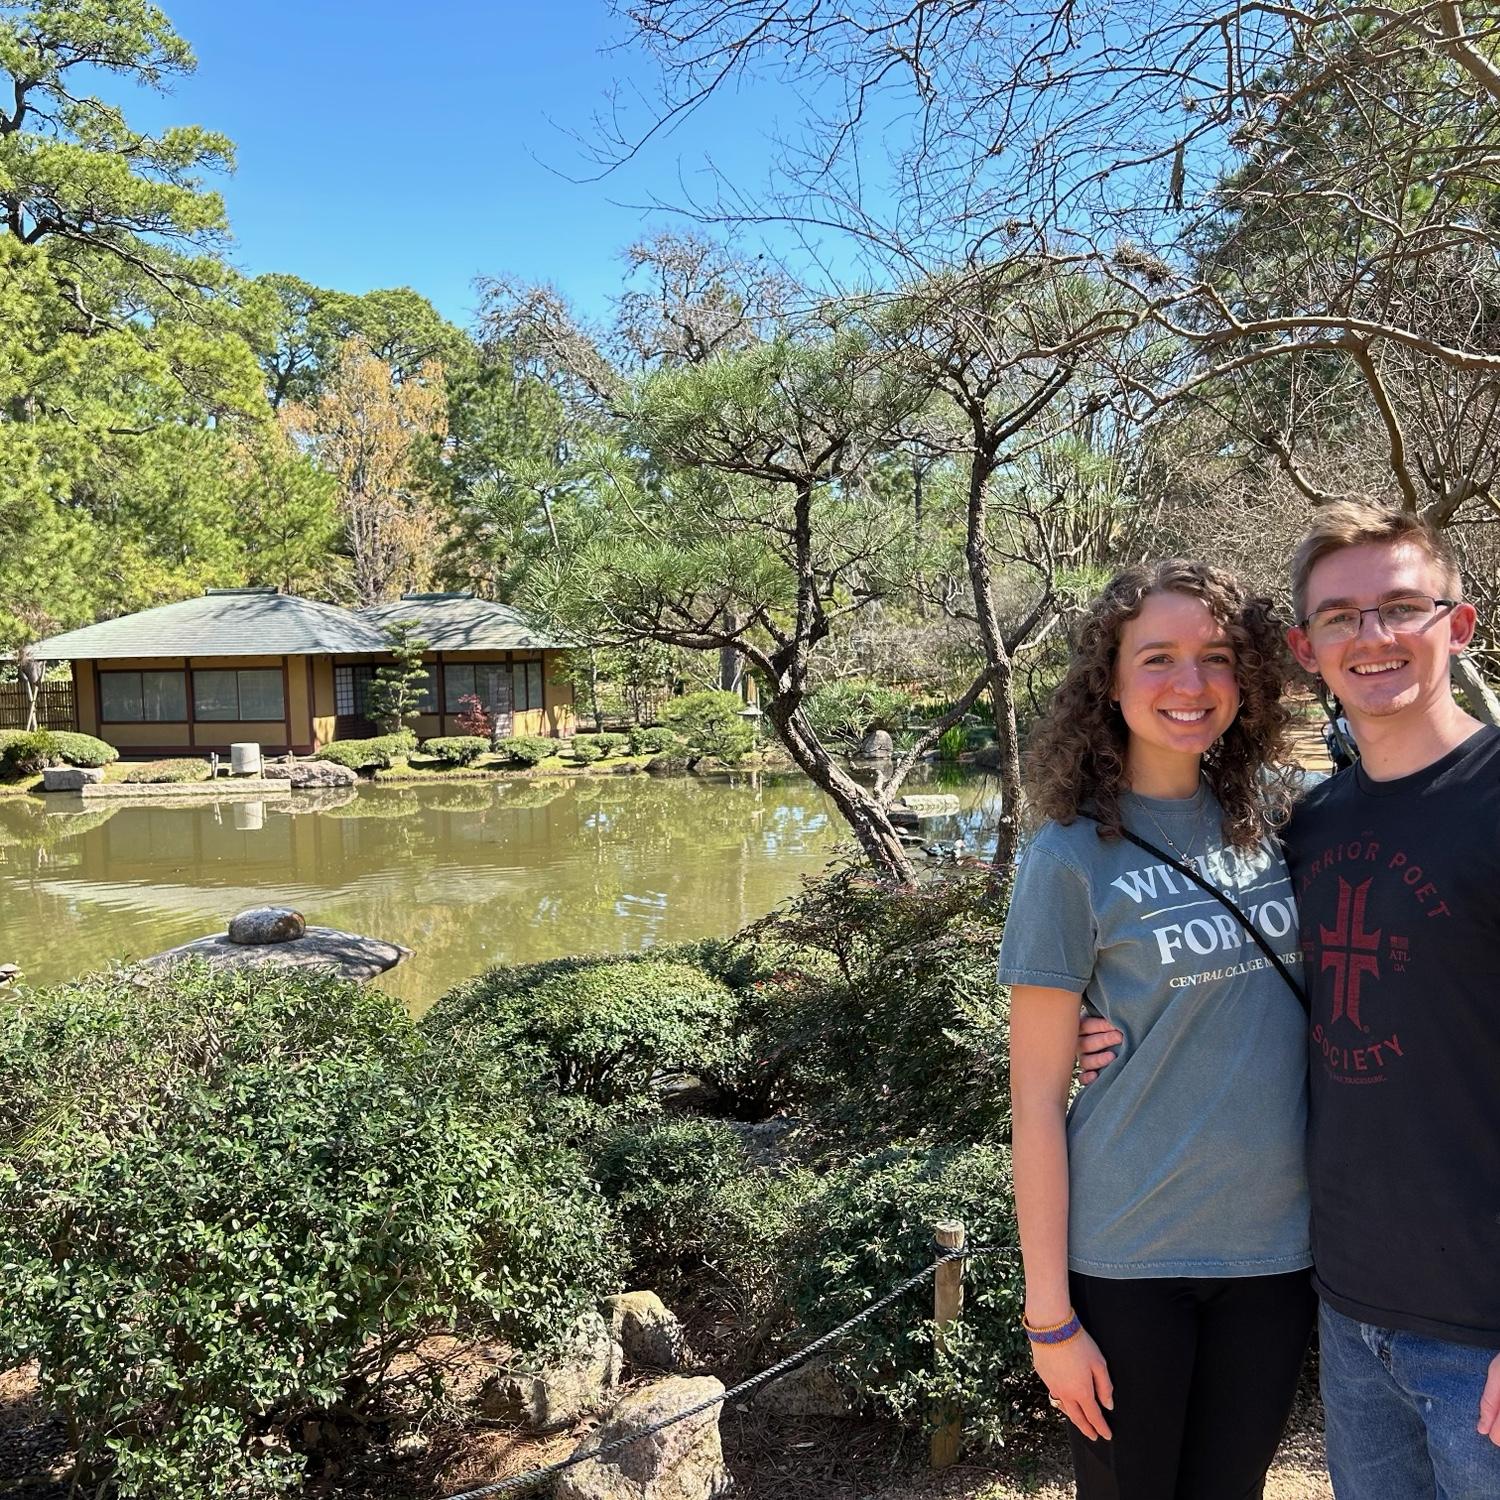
(467, 874)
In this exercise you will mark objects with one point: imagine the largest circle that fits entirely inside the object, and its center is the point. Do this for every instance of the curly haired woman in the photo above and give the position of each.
(1164, 1218)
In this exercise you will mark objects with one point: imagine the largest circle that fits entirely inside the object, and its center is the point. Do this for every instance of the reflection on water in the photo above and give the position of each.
(467, 874)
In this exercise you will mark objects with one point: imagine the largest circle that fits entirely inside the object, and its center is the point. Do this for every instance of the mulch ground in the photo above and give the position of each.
(771, 1458)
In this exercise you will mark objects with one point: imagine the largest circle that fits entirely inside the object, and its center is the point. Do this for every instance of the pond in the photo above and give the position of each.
(467, 874)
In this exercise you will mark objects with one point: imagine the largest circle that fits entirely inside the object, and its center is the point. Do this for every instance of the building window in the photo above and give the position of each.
(143, 697)
(351, 691)
(528, 689)
(246, 693)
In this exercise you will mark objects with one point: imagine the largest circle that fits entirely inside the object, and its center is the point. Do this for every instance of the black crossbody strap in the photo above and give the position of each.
(1227, 904)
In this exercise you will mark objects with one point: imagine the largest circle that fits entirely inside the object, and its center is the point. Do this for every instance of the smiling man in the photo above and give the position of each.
(1396, 866)
(1395, 863)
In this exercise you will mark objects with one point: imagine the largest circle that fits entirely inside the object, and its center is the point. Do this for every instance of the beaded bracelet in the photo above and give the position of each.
(1059, 1333)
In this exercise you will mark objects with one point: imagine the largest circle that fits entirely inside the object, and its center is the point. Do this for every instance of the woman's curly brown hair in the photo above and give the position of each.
(1075, 758)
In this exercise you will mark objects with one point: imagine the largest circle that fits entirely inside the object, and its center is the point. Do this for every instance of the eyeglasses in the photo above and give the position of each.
(1341, 622)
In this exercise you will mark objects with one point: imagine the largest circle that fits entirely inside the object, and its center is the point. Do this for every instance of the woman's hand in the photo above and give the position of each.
(1078, 1379)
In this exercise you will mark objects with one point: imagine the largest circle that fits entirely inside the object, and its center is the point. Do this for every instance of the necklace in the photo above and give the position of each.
(1183, 854)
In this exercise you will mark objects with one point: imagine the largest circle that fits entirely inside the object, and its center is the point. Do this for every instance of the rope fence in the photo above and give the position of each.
(946, 1267)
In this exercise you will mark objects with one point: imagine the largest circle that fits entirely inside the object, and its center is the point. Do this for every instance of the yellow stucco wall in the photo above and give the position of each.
(322, 704)
(204, 734)
(309, 700)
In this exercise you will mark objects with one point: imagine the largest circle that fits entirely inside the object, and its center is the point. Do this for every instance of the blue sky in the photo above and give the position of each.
(392, 144)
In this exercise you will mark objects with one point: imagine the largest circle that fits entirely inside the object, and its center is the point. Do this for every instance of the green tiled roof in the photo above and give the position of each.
(223, 622)
(460, 622)
(262, 622)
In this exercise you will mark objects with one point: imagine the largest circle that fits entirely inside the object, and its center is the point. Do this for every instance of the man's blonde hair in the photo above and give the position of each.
(1349, 523)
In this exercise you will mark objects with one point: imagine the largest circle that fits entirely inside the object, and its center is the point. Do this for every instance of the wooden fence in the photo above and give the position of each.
(54, 706)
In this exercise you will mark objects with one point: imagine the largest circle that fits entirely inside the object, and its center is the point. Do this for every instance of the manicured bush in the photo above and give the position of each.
(585, 749)
(27, 754)
(869, 1227)
(377, 754)
(456, 749)
(710, 724)
(175, 770)
(614, 744)
(529, 749)
(227, 1201)
(655, 740)
(876, 1012)
(689, 1196)
(598, 1029)
(84, 749)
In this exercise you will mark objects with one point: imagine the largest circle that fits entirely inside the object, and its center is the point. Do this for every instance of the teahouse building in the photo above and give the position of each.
(294, 674)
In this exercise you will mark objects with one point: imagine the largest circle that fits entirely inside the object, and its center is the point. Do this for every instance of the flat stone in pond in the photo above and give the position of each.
(310, 773)
(266, 924)
(346, 954)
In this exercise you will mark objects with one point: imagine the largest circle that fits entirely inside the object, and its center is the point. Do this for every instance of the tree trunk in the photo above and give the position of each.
(859, 808)
(1002, 688)
(1479, 695)
(1008, 746)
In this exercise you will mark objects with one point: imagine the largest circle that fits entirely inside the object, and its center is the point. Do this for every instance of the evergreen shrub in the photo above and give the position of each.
(654, 740)
(529, 749)
(586, 749)
(868, 1228)
(688, 1197)
(599, 1030)
(376, 754)
(84, 749)
(174, 770)
(709, 723)
(228, 1201)
(456, 749)
(843, 712)
(28, 753)
(875, 1010)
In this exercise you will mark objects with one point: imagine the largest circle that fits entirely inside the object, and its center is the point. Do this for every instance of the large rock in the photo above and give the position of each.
(310, 773)
(931, 804)
(70, 778)
(811, 1390)
(578, 1382)
(876, 745)
(682, 1462)
(346, 954)
(266, 924)
(646, 1329)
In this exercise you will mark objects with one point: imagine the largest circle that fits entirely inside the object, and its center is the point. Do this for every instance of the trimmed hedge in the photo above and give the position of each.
(654, 740)
(376, 754)
(456, 749)
(228, 1201)
(529, 749)
(26, 754)
(710, 723)
(585, 749)
(84, 749)
(601, 1030)
(175, 770)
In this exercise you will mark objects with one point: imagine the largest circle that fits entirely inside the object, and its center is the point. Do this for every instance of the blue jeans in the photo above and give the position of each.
(1399, 1413)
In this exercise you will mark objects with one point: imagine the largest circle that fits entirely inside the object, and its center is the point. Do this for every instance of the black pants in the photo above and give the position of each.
(1204, 1374)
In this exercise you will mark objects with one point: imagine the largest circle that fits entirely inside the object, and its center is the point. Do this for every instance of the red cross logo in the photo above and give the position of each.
(1349, 950)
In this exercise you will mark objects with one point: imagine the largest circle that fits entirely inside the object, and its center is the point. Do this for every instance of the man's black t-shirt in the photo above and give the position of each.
(1398, 886)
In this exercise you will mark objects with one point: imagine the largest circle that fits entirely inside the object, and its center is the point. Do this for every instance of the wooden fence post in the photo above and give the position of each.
(947, 1305)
